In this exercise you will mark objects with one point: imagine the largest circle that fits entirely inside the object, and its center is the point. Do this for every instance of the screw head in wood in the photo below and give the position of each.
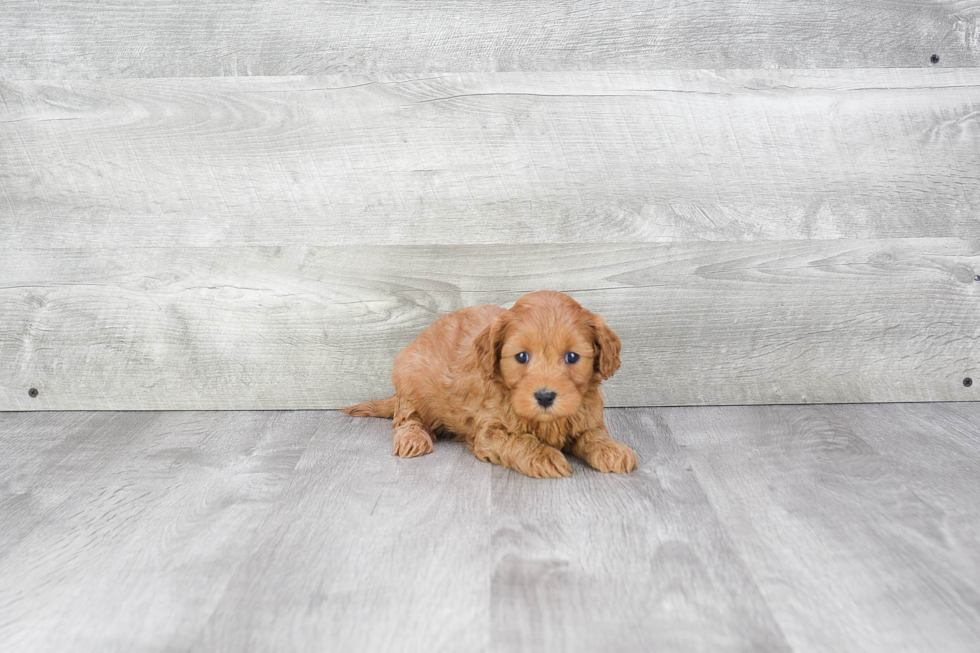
(934, 58)
(32, 392)
(968, 382)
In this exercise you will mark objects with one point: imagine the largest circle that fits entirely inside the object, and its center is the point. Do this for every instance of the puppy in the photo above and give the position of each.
(518, 386)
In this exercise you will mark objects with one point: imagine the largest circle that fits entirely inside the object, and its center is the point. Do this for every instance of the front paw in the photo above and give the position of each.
(612, 457)
(547, 462)
(411, 440)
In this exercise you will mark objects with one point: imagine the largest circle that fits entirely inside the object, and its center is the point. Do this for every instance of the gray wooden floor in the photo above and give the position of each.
(808, 528)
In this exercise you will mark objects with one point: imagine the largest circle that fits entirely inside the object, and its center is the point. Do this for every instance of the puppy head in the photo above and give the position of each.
(547, 351)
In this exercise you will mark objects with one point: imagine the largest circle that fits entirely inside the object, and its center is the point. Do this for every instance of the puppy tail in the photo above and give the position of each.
(384, 408)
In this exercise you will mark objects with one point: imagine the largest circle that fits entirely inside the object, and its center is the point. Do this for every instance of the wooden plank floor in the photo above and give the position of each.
(764, 528)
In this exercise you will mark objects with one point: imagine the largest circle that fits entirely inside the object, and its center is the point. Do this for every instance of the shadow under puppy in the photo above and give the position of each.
(519, 386)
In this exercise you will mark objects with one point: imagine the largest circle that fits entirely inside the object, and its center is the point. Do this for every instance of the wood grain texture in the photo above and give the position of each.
(858, 523)
(491, 158)
(318, 327)
(362, 538)
(140, 523)
(68, 38)
(43, 463)
(804, 528)
(639, 560)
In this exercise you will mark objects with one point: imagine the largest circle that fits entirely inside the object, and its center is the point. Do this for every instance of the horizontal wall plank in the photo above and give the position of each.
(488, 158)
(318, 327)
(68, 38)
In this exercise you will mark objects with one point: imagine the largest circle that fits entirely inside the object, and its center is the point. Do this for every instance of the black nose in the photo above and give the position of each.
(545, 397)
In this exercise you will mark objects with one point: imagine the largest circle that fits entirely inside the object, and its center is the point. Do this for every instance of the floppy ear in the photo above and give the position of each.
(488, 344)
(608, 347)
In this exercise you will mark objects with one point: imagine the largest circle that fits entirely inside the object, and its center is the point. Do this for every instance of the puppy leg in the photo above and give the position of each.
(600, 451)
(521, 452)
(411, 438)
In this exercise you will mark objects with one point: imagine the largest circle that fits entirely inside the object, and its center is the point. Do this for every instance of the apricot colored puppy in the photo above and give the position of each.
(519, 386)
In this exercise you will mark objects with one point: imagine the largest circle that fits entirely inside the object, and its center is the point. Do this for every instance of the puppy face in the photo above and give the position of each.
(546, 352)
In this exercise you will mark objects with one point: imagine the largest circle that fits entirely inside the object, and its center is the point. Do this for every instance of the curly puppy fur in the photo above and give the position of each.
(484, 375)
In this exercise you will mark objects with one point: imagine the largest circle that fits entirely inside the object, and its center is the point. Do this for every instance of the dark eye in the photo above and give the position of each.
(571, 358)
(521, 357)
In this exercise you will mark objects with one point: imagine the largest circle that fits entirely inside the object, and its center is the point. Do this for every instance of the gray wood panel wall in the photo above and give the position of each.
(253, 205)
